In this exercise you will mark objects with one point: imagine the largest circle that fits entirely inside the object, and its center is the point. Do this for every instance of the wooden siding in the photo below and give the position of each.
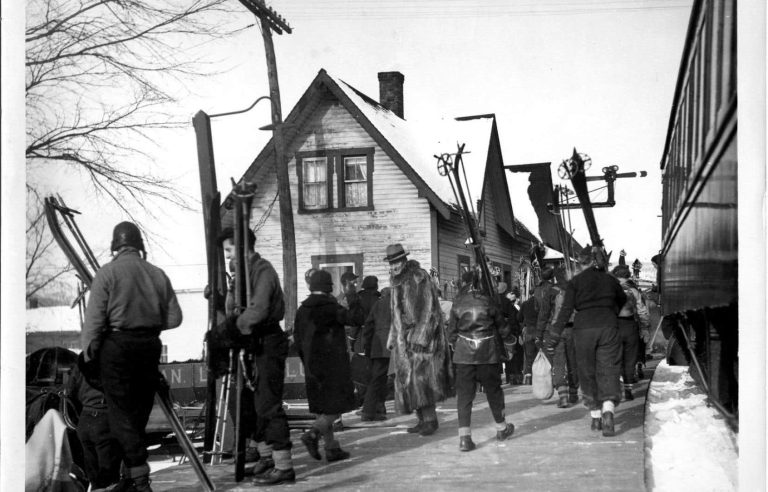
(499, 246)
(398, 215)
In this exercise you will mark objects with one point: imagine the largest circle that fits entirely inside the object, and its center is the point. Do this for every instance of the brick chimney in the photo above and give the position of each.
(391, 91)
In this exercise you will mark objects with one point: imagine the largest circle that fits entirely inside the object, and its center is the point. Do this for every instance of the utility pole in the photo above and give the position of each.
(270, 21)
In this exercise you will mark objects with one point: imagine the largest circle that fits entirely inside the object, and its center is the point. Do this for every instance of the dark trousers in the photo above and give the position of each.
(101, 451)
(271, 421)
(467, 378)
(513, 369)
(564, 376)
(598, 362)
(128, 361)
(247, 411)
(629, 338)
(376, 393)
(530, 355)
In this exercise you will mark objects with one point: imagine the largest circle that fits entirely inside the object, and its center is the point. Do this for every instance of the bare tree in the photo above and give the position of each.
(101, 77)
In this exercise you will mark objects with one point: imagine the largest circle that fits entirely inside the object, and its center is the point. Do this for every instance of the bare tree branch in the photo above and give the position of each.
(102, 81)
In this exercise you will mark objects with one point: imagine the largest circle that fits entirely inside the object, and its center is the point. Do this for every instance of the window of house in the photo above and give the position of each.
(352, 188)
(314, 186)
(355, 181)
(337, 265)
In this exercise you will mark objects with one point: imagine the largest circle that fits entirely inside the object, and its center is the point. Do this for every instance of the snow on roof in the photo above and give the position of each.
(418, 141)
(52, 318)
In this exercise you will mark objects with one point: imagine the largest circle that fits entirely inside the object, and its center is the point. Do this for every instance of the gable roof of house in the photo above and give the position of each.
(411, 144)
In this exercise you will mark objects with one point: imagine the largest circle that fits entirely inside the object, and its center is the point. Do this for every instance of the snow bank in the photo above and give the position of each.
(688, 445)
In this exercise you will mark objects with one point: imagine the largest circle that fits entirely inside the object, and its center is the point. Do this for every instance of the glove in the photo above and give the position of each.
(645, 335)
(550, 342)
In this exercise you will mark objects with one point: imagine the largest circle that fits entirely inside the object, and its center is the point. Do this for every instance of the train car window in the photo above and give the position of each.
(729, 50)
(718, 53)
(704, 62)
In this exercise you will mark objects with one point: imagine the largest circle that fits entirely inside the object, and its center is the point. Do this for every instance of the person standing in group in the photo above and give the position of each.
(596, 296)
(549, 299)
(528, 316)
(321, 340)
(130, 303)
(375, 334)
(513, 368)
(634, 328)
(260, 322)
(417, 340)
(101, 451)
(475, 328)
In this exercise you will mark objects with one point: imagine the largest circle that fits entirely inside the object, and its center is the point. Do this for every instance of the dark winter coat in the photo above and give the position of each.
(474, 327)
(596, 296)
(419, 345)
(549, 303)
(527, 317)
(367, 298)
(322, 345)
(376, 328)
(511, 312)
(545, 295)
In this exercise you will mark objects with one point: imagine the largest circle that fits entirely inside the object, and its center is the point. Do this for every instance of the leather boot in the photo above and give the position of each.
(597, 424)
(502, 435)
(261, 467)
(563, 403)
(466, 443)
(311, 439)
(275, 477)
(628, 394)
(336, 454)
(527, 379)
(141, 484)
(608, 429)
(416, 428)
(428, 428)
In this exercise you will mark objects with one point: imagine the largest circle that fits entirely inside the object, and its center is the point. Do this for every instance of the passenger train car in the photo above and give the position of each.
(698, 274)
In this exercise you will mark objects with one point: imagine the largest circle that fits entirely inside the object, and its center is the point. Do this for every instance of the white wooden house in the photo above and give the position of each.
(363, 177)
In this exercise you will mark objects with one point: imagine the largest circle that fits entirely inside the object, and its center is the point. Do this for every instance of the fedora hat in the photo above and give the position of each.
(395, 252)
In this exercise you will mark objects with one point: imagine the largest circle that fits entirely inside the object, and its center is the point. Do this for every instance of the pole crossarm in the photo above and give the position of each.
(260, 9)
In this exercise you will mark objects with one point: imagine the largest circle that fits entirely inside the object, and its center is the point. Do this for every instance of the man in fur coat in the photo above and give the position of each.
(418, 342)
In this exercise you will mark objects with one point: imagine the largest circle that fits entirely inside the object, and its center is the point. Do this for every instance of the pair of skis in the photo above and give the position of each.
(242, 197)
(452, 166)
(86, 271)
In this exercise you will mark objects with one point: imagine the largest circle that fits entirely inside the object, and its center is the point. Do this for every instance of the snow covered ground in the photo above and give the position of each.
(688, 444)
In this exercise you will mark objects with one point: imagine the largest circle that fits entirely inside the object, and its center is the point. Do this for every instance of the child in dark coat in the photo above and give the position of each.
(101, 451)
(321, 341)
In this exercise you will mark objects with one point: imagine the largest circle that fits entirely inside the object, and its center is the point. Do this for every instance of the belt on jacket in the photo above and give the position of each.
(475, 342)
(138, 331)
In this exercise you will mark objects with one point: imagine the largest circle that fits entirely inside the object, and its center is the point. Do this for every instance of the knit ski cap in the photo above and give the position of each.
(321, 281)
(371, 282)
